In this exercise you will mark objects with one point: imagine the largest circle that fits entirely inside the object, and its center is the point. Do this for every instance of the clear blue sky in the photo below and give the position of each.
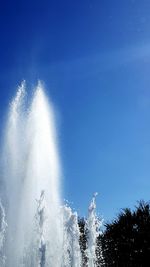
(94, 57)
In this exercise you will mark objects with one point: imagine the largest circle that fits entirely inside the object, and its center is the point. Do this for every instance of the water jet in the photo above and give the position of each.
(40, 229)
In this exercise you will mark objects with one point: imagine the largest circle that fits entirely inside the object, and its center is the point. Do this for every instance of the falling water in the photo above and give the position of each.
(41, 232)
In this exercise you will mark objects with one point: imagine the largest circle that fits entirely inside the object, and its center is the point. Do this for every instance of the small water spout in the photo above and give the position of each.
(71, 253)
(93, 231)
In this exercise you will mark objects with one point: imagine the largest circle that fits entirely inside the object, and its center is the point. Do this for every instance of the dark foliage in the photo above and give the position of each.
(126, 241)
(83, 245)
(99, 253)
(83, 241)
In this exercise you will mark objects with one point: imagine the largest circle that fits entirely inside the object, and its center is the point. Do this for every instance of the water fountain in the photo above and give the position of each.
(40, 230)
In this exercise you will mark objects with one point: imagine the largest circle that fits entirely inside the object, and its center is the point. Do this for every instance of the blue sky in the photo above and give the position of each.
(94, 57)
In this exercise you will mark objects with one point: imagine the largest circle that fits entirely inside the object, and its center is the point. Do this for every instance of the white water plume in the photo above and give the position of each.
(31, 165)
(41, 232)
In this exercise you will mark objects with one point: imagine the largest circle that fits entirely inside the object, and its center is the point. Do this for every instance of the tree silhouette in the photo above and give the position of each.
(126, 240)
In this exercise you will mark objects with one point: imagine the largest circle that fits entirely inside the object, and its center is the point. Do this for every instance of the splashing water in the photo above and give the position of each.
(41, 232)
